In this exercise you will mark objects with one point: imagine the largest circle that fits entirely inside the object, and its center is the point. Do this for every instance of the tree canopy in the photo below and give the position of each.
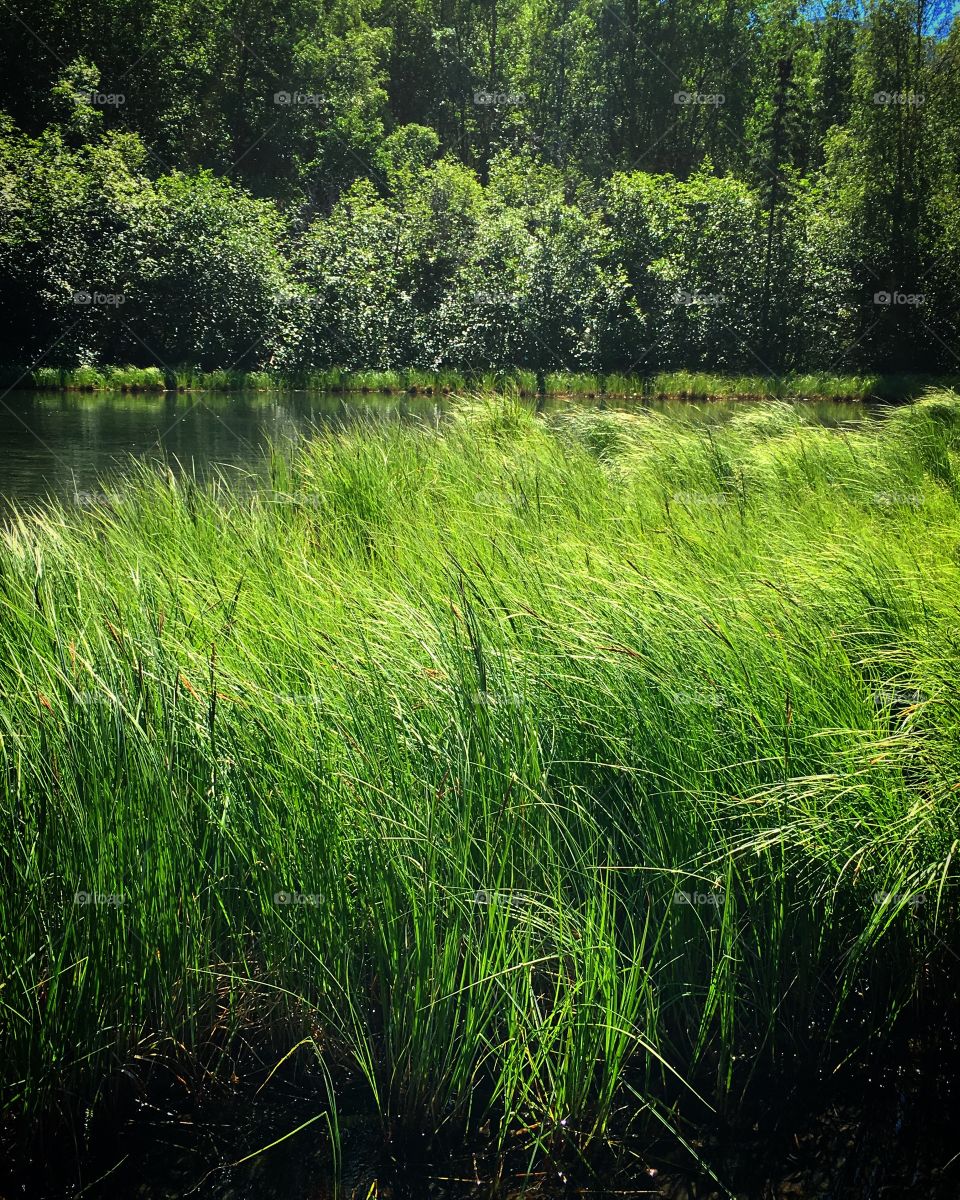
(558, 184)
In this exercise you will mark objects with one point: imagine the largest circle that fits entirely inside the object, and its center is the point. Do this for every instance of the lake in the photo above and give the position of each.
(64, 444)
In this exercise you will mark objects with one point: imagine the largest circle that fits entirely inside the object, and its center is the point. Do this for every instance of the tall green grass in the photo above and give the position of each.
(533, 772)
(692, 385)
(688, 385)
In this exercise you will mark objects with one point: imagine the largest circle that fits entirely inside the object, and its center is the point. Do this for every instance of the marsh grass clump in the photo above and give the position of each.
(545, 776)
(686, 385)
(603, 433)
(773, 419)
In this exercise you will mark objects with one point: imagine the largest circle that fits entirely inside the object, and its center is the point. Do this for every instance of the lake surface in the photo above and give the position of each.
(64, 444)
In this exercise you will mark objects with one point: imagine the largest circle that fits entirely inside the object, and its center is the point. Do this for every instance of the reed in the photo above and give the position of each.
(686, 385)
(534, 771)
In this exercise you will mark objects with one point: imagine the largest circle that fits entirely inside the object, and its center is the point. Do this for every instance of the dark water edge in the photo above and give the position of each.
(66, 444)
(886, 1127)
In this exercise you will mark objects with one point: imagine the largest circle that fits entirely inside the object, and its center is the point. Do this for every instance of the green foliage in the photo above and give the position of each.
(104, 264)
(554, 186)
(210, 276)
(592, 751)
(72, 101)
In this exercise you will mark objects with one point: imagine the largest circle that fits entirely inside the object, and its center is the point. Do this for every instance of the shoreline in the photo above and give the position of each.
(664, 387)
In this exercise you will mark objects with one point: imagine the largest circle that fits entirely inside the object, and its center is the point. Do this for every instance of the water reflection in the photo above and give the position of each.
(64, 444)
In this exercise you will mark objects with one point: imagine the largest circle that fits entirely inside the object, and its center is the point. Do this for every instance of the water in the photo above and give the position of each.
(64, 444)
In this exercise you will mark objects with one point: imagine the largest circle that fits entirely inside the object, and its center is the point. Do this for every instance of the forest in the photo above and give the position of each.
(554, 185)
